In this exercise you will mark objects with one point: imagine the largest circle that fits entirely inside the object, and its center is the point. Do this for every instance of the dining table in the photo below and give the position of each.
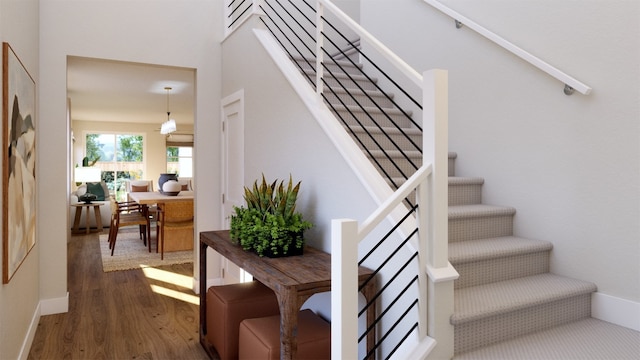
(181, 239)
(155, 197)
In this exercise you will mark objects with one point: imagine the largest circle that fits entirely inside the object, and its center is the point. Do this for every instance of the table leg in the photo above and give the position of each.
(76, 220)
(369, 292)
(96, 211)
(288, 323)
(86, 220)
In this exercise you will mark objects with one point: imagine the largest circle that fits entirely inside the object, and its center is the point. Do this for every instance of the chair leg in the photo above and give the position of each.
(115, 237)
(157, 237)
(142, 235)
(162, 250)
(112, 232)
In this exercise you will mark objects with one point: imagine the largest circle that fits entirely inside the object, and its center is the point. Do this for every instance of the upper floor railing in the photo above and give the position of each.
(570, 83)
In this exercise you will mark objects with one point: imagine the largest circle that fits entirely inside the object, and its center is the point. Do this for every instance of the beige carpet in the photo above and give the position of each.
(130, 253)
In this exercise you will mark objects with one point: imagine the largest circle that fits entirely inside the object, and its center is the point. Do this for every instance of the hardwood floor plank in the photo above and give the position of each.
(120, 314)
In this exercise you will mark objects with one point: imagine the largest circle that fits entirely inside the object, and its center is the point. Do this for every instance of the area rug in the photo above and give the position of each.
(130, 253)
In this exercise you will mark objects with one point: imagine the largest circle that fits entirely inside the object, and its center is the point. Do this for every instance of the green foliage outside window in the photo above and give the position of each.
(172, 154)
(129, 148)
(120, 157)
(93, 147)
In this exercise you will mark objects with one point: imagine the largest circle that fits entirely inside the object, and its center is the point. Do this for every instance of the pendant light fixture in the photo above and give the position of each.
(168, 126)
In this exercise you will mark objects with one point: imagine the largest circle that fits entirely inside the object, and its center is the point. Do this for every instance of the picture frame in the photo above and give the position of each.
(18, 163)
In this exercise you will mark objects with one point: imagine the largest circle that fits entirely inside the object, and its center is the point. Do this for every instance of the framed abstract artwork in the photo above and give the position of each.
(18, 163)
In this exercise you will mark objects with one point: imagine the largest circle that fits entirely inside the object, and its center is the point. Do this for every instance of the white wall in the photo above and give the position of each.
(19, 298)
(172, 33)
(570, 165)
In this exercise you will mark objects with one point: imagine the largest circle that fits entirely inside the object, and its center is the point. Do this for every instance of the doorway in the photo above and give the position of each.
(128, 101)
(232, 174)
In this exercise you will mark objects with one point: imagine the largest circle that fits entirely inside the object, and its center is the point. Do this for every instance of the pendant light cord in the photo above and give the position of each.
(168, 88)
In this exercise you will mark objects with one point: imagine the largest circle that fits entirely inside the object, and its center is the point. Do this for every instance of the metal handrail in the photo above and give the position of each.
(570, 82)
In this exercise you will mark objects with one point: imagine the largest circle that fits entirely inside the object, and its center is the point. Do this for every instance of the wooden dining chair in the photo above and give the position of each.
(143, 186)
(128, 214)
(174, 215)
(186, 183)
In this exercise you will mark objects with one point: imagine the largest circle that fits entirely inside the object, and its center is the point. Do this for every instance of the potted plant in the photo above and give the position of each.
(269, 225)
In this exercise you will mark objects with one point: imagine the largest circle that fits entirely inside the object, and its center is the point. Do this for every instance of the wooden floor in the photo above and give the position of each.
(117, 315)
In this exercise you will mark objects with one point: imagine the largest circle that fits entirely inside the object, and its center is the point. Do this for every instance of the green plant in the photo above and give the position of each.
(86, 162)
(269, 223)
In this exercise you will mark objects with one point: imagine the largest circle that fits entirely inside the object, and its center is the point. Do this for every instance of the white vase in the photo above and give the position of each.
(171, 186)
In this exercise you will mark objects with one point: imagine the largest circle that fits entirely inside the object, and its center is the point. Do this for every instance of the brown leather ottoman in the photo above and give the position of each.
(228, 305)
(260, 337)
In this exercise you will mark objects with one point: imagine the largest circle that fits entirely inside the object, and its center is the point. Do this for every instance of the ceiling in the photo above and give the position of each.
(115, 91)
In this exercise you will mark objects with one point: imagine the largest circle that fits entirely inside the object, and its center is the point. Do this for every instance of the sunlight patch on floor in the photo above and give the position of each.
(169, 277)
(176, 294)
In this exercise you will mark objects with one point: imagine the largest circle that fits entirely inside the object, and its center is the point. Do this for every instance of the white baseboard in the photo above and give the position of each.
(54, 306)
(31, 334)
(616, 310)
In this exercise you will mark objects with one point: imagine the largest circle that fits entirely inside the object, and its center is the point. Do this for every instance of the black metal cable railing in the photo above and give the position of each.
(393, 301)
(292, 46)
(368, 119)
(237, 13)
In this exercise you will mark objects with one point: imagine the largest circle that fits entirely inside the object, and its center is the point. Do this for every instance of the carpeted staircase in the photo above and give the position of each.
(505, 289)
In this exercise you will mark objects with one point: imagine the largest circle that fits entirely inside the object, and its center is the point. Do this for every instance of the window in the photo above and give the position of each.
(119, 156)
(180, 160)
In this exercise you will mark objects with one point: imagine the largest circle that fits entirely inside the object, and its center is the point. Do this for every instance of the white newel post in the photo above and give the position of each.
(435, 150)
(344, 289)
(440, 272)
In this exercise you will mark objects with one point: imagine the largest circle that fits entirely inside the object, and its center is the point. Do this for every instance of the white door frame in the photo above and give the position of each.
(232, 174)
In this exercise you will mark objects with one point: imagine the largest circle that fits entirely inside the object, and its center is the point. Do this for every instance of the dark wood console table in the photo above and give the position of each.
(294, 279)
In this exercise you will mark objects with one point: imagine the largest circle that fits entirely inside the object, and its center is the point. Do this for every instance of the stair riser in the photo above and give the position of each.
(506, 268)
(363, 84)
(467, 194)
(357, 98)
(404, 167)
(480, 227)
(378, 141)
(374, 118)
(335, 69)
(483, 332)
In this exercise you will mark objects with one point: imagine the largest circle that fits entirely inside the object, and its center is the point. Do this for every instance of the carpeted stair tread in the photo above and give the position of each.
(492, 248)
(453, 180)
(312, 60)
(395, 154)
(387, 130)
(369, 110)
(342, 76)
(483, 301)
(478, 211)
(373, 93)
(461, 180)
(588, 339)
